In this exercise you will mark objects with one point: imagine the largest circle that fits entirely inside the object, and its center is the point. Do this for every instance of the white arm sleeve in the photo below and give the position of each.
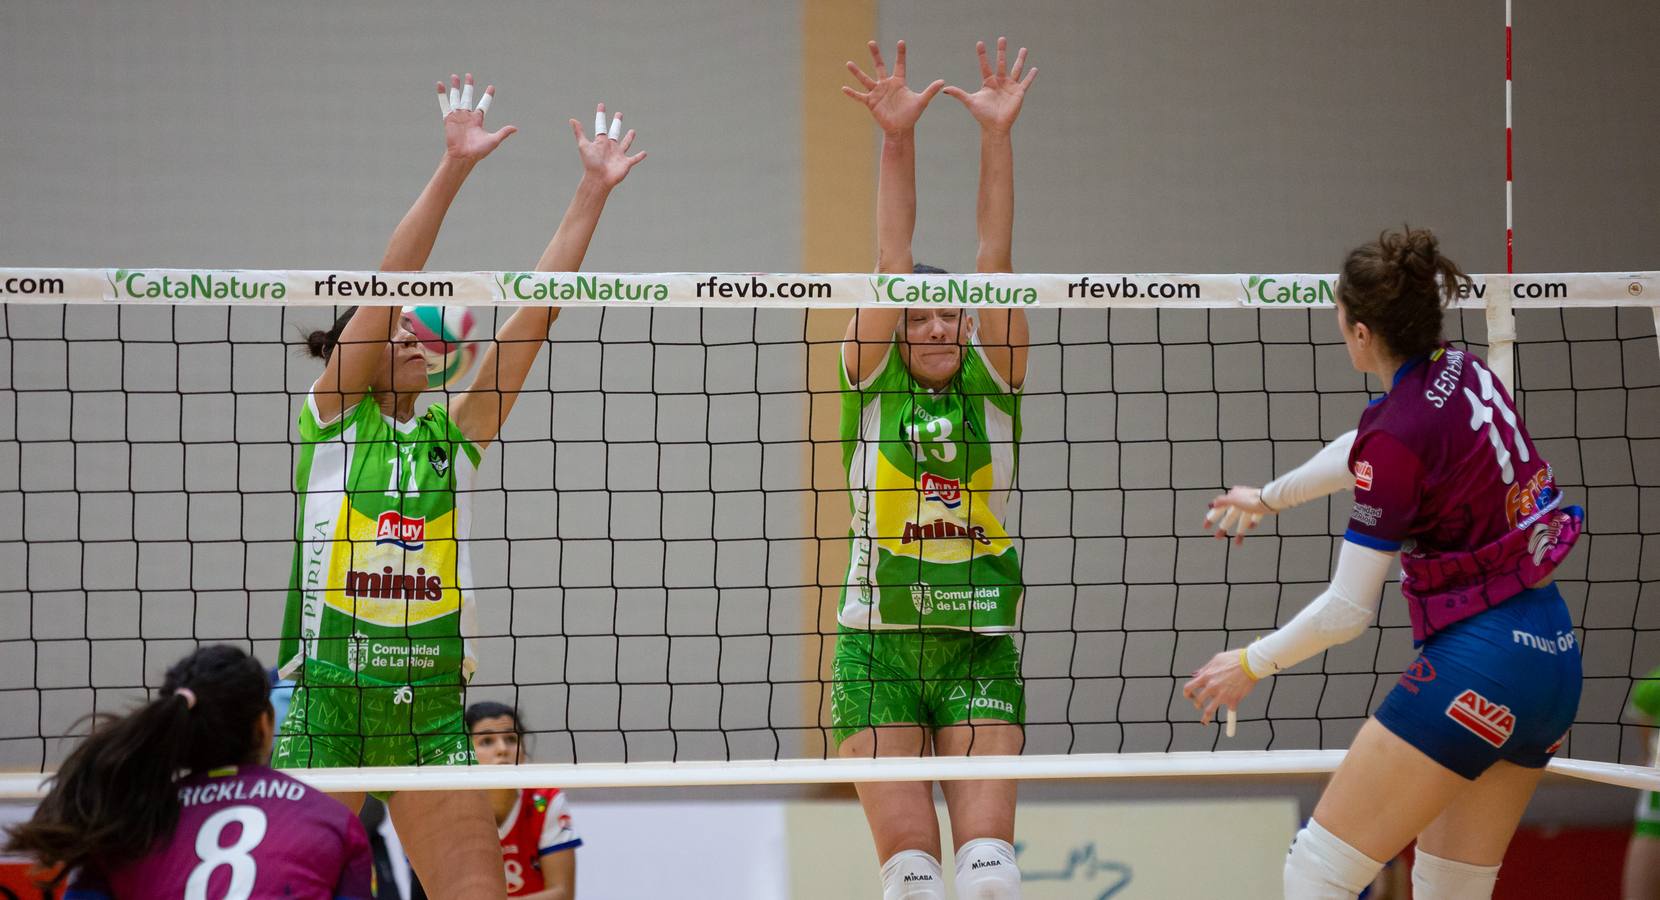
(1341, 614)
(1327, 472)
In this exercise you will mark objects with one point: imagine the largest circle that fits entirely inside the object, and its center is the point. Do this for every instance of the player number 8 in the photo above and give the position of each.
(212, 855)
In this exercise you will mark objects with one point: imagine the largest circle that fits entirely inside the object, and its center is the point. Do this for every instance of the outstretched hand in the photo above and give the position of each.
(464, 135)
(606, 156)
(997, 103)
(1235, 513)
(893, 105)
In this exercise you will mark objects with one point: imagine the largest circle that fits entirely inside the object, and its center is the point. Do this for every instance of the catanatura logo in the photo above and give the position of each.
(1272, 289)
(131, 284)
(563, 287)
(915, 289)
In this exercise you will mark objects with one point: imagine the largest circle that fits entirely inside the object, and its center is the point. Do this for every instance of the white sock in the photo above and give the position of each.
(986, 870)
(912, 875)
(1434, 878)
(1322, 867)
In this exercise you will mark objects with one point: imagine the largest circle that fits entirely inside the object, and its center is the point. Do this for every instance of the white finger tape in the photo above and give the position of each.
(484, 101)
(599, 124)
(444, 105)
(455, 96)
(467, 96)
(616, 128)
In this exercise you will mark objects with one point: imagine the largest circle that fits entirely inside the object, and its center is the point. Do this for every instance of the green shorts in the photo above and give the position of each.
(1647, 822)
(340, 718)
(932, 678)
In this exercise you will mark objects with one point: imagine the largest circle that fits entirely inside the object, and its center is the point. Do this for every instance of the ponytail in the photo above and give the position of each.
(116, 795)
(320, 344)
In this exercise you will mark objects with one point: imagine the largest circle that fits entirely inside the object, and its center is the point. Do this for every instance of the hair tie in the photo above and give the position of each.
(188, 695)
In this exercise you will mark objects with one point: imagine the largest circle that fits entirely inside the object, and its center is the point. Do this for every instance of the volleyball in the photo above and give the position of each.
(445, 335)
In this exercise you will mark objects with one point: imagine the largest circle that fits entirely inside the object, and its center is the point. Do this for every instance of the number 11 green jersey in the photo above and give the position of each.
(382, 582)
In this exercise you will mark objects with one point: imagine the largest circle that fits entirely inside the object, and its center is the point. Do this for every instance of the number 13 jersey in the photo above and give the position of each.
(929, 475)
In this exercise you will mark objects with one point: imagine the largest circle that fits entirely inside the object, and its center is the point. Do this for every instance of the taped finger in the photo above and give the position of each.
(455, 95)
(599, 124)
(467, 94)
(484, 101)
(616, 128)
(443, 102)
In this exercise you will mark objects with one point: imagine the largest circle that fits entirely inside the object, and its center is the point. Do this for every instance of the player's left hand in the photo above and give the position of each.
(606, 156)
(1221, 682)
(997, 103)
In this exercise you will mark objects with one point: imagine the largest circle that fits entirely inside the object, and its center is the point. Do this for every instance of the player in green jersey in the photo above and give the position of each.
(925, 661)
(1642, 854)
(380, 614)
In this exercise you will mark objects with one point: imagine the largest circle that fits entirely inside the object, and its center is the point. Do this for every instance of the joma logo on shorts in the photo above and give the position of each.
(1492, 722)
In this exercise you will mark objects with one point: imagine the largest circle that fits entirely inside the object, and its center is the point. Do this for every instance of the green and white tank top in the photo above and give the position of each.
(929, 475)
(381, 584)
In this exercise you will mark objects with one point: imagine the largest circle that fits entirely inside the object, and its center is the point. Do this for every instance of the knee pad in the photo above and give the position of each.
(1322, 867)
(986, 870)
(1434, 878)
(912, 875)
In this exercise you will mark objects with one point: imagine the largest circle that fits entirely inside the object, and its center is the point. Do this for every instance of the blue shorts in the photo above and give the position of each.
(1501, 685)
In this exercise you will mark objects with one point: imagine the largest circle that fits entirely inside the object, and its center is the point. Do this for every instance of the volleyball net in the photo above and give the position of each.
(659, 537)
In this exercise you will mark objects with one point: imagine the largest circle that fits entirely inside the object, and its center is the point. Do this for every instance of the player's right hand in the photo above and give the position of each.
(1235, 513)
(464, 136)
(893, 105)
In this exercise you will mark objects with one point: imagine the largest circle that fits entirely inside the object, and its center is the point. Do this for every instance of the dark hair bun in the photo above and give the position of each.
(1397, 286)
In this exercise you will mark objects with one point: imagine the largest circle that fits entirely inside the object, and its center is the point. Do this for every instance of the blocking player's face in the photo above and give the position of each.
(496, 741)
(933, 343)
(405, 362)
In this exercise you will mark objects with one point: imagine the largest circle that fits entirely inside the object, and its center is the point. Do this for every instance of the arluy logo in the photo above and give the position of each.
(397, 529)
(948, 491)
(1492, 722)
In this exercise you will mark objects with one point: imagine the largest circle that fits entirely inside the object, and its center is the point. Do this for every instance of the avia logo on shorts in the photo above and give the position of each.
(1492, 722)
(439, 459)
(940, 529)
(404, 694)
(1420, 672)
(948, 491)
(1363, 475)
(399, 530)
(1366, 514)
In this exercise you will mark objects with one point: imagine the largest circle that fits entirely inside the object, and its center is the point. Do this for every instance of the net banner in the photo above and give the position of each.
(244, 287)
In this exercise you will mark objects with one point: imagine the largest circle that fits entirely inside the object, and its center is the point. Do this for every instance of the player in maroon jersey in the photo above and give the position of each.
(121, 821)
(538, 843)
(1445, 478)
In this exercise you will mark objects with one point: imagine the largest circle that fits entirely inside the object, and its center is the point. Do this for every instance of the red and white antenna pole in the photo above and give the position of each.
(1509, 173)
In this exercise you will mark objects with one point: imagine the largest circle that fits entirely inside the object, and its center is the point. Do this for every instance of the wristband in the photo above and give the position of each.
(1245, 663)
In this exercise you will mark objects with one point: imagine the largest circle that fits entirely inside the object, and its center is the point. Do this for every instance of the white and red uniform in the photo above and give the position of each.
(539, 824)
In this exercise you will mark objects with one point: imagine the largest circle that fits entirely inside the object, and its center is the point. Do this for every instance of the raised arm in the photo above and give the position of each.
(995, 106)
(895, 108)
(486, 404)
(361, 350)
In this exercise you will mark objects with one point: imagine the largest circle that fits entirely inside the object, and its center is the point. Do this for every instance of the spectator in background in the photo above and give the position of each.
(538, 845)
